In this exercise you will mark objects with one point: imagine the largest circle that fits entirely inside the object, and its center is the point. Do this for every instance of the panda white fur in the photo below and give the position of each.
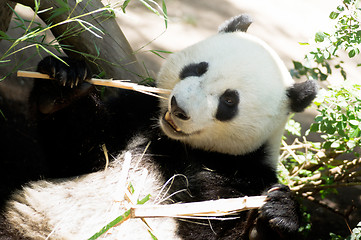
(220, 134)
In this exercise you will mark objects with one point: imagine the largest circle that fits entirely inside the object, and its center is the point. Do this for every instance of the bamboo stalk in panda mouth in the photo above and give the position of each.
(124, 84)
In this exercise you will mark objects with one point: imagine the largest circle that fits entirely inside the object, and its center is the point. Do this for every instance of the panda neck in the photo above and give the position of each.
(175, 156)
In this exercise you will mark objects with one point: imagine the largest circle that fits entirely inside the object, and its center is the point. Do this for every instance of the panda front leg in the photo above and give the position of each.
(278, 218)
(63, 110)
(67, 85)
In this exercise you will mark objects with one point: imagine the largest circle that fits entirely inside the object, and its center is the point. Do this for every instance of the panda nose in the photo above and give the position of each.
(177, 111)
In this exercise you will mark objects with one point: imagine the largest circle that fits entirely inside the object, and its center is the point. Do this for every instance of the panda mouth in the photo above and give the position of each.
(168, 119)
(172, 130)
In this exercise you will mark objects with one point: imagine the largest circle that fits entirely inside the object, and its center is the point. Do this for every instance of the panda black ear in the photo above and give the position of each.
(238, 23)
(302, 94)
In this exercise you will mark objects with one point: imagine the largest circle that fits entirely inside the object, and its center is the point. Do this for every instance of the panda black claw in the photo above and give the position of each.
(273, 189)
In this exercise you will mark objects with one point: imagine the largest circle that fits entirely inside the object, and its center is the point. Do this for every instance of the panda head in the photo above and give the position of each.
(230, 93)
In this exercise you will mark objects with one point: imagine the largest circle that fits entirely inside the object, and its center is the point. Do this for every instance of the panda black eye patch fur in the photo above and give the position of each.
(227, 105)
(194, 70)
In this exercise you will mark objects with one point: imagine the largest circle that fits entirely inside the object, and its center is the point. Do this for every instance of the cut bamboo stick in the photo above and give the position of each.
(214, 208)
(104, 82)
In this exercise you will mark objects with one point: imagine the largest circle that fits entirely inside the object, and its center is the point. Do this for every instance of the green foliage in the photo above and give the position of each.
(346, 37)
(339, 121)
(148, 4)
(313, 170)
(293, 127)
(355, 235)
(356, 232)
(306, 220)
(35, 34)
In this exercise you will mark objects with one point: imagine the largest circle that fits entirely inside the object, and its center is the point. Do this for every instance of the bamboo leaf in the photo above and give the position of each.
(165, 13)
(52, 54)
(149, 7)
(113, 223)
(124, 5)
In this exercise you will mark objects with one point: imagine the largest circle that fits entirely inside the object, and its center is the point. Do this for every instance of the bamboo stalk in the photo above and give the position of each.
(213, 208)
(104, 82)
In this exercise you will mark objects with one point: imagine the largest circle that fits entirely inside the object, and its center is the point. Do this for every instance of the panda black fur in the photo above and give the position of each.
(220, 134)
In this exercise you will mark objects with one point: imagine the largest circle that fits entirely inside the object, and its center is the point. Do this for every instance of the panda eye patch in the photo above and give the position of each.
(227, 105)
(194, 70)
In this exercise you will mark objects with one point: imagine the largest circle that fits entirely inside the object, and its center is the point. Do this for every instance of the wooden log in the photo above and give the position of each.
(5, 14)
(112, 52)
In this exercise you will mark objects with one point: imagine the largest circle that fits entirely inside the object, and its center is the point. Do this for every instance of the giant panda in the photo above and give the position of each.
(217, 135)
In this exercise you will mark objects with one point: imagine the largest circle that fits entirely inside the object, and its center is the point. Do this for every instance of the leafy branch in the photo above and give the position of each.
(315, 169)
(346, 37)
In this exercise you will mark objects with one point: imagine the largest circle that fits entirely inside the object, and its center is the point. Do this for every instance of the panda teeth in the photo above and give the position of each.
(169, 119)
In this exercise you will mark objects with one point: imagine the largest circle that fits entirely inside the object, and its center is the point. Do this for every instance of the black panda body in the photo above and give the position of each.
(216, 136)
(80, 130)
(214, 176)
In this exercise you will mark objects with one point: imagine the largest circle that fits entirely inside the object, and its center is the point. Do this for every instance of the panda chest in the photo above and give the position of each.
(212, 176)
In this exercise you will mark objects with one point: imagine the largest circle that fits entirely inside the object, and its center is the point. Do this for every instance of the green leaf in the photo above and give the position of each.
(335, 144)
(354, 123)
(131, 188)
(352, 53)
(320, 37)
(327, 145)
(314, 127)
(152, 235)
(36, 5)
(293, 127)
(165, 13)
(355, 133)
(118, 220)
(318, 118)
(340, 8)
(2, 114)
(3, 35)
(52, 54)
(144, 200)
(334, 15)
(156, 52)
(113, 223)
(124, 5)
(62, 9)
(297, 65)
(351, 144)
(330, 129)
(344, 74)
(323, 76)
(149, 7)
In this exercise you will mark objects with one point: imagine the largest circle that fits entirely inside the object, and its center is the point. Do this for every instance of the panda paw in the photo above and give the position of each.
(279, 217)
(69, 85)
(71, 75)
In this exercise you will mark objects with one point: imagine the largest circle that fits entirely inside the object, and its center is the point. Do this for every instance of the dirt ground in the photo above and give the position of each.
(281, 23)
